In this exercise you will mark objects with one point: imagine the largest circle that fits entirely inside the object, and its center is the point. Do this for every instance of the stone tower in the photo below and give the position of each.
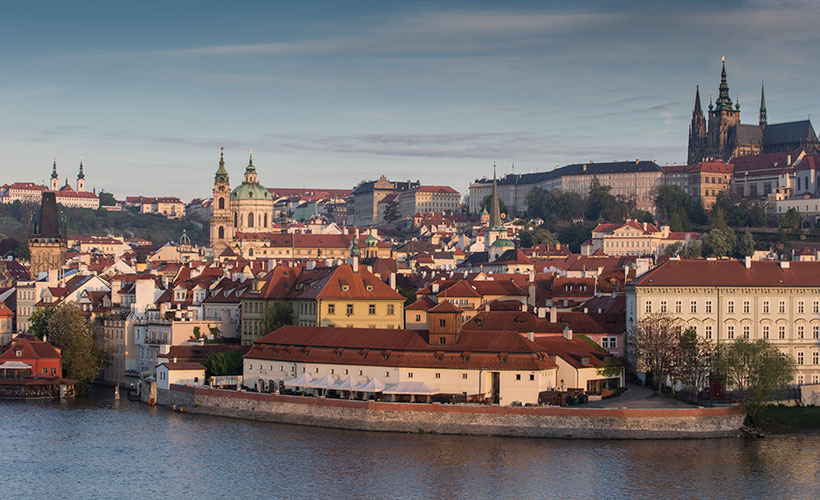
(47, 244)
(81, 178)
(723, 117)
(697, 133)
(221, 228)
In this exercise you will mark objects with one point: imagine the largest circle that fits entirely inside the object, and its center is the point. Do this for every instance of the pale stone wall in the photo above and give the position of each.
(601, 423)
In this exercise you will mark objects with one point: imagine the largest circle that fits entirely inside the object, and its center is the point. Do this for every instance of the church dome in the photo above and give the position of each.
(503, 242)
(247, 191)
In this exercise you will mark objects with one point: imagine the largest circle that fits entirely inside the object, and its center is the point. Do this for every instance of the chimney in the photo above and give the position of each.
(747, 262)
(310, 265)
(568, 332)
(600, 310)
(393, 281)
(355, 264)
(542, 312)
(586, 310)
(531, 336)
(644, 226)
(523, 307)
(435, 287)
(553, 314)
(487, 307)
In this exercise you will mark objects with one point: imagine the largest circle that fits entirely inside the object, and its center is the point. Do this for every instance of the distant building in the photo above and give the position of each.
(633, 238)
(725, 137)
(426, 199)
(167, 206)
(47, 244)
(29, 192)
(366, 198)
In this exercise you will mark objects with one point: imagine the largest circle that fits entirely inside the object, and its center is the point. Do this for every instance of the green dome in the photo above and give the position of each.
(247, 191)
(371, 241)
(503, 242)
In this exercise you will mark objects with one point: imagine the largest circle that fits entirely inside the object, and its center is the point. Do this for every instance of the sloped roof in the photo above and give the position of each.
(790, 132)
(732, 273)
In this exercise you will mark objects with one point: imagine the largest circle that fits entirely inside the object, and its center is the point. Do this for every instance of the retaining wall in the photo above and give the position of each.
(600, 423)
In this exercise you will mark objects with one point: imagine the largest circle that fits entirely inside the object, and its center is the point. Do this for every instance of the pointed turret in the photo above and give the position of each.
(698, 109)
(762, 106)
(697, 132)
(55, 181)
(81, 178)
(221, 175)
(495, 213)
(723, 102)
(250, 170)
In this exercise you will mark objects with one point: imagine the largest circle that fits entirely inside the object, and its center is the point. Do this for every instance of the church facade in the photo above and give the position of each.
(724, 137)
(247, 209)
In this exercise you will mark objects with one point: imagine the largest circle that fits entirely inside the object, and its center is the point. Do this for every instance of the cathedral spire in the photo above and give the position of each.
(250, 170)
(495, 213)
(221, 174)
(698, 109)
(723, 102)
(762, 106)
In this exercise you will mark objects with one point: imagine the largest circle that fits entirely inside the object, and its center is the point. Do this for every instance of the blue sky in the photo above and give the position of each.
(330, 93)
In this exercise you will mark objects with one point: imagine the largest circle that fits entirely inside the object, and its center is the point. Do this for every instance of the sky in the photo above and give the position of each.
(331, 93)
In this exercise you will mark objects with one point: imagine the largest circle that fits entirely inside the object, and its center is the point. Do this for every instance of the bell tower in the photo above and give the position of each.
(55, 179)
(81, 179)
(723, 118)
(221, 227)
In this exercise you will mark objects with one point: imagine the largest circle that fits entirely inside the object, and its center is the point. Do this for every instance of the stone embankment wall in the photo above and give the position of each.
(600, 423)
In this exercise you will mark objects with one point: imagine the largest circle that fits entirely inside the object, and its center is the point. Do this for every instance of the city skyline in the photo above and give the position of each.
(327, 96)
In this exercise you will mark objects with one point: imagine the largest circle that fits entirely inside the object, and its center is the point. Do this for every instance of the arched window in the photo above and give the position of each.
(235, 220)
(221, 233)
(250, 219)
(250, 252)
(222, 203)
(266, 220)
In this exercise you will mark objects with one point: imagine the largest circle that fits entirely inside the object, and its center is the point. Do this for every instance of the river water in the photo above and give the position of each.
(96, 447)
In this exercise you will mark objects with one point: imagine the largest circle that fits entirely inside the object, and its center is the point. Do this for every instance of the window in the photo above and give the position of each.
(371, 309)
(800, 307)
(693, 307)
(800, 379)
(648, 307)
(517, 376)
(315, 370)
(438, 375)
(360, 372)
(730, 307)
(815, 332)
(800, 358)
(331, 308)
(409, 374)
(349, 309)
(708, 306)
(800, 332)
(464, 375)
(418, 318)
(782, 307)
(766, 332)
(663, 306)
(532, 376)
(745, 331)
(746, 307)
(391, 309)
(442, 323)
(45, 371)
(386, 374)
(730, 332)
(442, 340)
(765, 307)
(781, 332)
(815, 358)
(609, 342)
(815, 307)
(678, 306)
(815, 378)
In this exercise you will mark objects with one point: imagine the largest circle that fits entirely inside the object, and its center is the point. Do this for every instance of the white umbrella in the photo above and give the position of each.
(372, 385)
(302, 381)
(325, 382)
(348, 384)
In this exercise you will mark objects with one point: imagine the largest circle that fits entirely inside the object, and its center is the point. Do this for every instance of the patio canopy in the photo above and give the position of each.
(325, 382)
(302, 381)
(348, 384)
(14, 365)
(372, 385)
(410, 388)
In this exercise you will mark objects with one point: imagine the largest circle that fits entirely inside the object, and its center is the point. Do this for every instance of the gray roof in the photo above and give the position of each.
(746, 134)
(617, 167)
(795, 133)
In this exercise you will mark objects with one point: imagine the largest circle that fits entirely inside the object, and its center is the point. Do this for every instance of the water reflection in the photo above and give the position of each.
(100, 448)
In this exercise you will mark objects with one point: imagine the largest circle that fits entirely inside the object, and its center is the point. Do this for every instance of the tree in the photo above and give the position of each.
(107, 199)
(694, 361)
(693, 250)
(392, 211)
(487, 204)
(83, 358)
(38, 321)
(720, 242)
(745, 245)
(654, 341)
(278, 315)
(223, 363)
(791, 219)
(575, 234)
(718, 219)
(755, 370)
(673, 249)
(22, 251)
(536, 237)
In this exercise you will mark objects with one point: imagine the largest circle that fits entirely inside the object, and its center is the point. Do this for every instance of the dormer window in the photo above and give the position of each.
(345, 288)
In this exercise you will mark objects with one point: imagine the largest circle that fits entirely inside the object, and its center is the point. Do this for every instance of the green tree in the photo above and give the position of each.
(22, 251)
(83, 358)
(487, 204)
(575, 234)
(718, 219)
(392, 211)
(107, 199)
(537, 237)
(278, 315)
(694, 361)
(223, 363)
(673, 249)
(720, 242)
(791, 219)
(38, 321)
(756, 370)
(745, 245)
(693, 250)
(654, 344)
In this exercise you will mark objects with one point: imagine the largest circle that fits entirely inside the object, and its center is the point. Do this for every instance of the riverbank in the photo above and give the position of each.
(595, 423)
(790, 419)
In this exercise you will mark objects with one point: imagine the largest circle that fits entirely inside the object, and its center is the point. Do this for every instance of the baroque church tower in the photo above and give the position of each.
(221, 227)
(697, 133)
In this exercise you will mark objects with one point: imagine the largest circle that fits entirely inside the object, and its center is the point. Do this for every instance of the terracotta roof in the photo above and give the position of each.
(445, 306)
(183, 365)
(732, 273)
(423, 304)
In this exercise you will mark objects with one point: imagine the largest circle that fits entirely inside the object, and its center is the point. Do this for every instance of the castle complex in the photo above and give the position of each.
(724, 137)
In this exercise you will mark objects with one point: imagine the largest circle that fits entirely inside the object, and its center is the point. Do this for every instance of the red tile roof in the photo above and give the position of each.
(732, 273)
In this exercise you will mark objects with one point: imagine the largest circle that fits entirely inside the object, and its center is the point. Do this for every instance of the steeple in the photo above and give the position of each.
(698, 109)
(55, 181)
(81, 178)
(762, 106)
(495, 213)
(723, 102)
(697, 133)
(54, 169)
(250, 171)
(81, 175)
(221, 174)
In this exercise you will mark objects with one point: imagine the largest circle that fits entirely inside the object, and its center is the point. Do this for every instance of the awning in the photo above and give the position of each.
(14, 365)
(325, 382)
(410, 388)
(372, 385)
(348, 384)
(302, 381)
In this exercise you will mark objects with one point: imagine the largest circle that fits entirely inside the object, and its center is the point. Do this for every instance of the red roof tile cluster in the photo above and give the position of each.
(732, 273)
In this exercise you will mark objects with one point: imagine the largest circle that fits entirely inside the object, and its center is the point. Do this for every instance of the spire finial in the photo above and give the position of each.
(251, 154)
(54, 169)
(81, 175)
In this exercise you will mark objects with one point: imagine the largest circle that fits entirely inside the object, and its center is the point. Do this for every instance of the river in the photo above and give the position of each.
(96, 447)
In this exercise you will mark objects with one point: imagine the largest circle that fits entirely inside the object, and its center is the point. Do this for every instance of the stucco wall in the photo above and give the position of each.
(459, 419)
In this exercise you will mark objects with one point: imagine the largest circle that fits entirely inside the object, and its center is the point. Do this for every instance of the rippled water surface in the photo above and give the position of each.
(101, 448)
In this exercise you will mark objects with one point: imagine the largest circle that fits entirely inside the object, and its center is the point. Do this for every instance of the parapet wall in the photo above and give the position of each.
(598, 423)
